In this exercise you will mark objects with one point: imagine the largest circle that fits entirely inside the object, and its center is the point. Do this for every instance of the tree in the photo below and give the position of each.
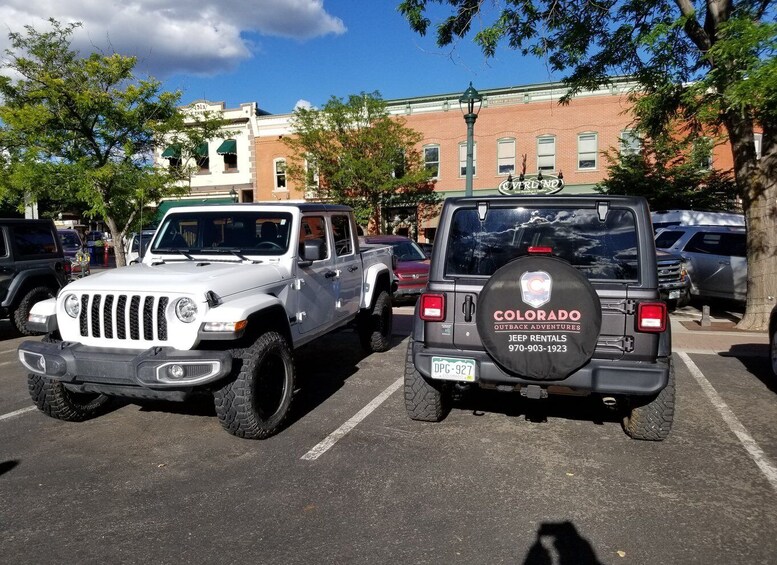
(670, 176)
(708, 65)
(84, 129)
(361, 157)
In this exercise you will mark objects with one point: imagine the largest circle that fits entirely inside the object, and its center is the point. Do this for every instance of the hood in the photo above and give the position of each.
(191, 277)
(409, 267)
(662, 255)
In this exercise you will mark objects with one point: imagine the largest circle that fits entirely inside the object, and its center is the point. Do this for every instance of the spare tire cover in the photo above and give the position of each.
(539, 318)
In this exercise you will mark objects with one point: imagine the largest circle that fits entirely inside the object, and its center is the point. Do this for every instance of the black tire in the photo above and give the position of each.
(652, 420)
(773, 351)
(425, 400)
(256, 402)
(53, 399)
(375, 326)
(22, 311)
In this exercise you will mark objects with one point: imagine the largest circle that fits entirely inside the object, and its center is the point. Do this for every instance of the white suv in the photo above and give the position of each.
(716, 257)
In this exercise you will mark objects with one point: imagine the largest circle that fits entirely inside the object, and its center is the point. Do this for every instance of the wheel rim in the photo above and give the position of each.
(271, 387)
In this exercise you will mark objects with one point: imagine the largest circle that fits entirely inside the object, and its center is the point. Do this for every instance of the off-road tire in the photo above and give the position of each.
(53, 399)
(773, 351)
(22, 311)
(375, 326)
(255, 404)
(652, 420)
(425, 400)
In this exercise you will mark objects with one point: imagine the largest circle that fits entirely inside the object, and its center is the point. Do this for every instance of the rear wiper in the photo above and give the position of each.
(184, 252)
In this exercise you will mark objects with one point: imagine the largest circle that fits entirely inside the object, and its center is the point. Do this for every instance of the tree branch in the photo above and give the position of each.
(692, 26)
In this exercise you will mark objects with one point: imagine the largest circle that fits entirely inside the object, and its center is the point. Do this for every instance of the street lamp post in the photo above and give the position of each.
(233, 194)
(470, 103)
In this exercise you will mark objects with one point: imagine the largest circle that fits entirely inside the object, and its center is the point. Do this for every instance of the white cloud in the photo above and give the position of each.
(302, 103)
(168, 36)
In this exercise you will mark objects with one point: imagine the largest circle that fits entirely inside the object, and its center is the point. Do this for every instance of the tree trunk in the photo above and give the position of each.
(118, 243)
(758, 187)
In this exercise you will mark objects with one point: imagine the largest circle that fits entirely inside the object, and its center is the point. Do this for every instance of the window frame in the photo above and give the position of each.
(580, 151)
(540, 139)
(436, 163)
(463, 163)
(499, 143)
(277, 175)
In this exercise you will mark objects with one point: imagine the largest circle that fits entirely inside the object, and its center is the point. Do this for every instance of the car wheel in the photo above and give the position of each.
(22, 311)
(425, 400)
(773, 351)
(375, 326)
(651, 419)
(255, 404)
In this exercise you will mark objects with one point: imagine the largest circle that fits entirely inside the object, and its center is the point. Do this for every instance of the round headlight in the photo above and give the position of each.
(72, 305)
(186, 310)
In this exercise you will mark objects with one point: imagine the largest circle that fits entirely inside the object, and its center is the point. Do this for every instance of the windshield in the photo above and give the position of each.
(216, 232)
(407, 251)
(600, 250)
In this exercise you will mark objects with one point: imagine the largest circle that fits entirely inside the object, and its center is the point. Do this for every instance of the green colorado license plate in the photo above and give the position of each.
(453, 369)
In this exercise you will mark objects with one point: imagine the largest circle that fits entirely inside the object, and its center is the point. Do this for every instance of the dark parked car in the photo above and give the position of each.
(33, 267)
(412, 270)
(74, 252)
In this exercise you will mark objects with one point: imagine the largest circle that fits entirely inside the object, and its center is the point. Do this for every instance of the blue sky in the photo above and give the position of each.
(278, 52)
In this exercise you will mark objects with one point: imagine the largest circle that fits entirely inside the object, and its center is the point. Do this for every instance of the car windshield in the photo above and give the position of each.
(407, 251)
(217, 232)
(602, 250)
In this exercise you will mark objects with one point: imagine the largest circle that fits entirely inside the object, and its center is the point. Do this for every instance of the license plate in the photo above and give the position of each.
(673, 294)
(453, 369)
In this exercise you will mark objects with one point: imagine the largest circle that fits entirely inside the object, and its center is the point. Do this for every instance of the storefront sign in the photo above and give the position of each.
(529, 186)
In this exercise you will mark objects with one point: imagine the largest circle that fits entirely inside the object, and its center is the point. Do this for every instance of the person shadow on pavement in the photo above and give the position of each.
(563, 540)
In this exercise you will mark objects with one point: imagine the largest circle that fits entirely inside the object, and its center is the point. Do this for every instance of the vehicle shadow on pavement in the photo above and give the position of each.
(759, 367)
(7, 331)
(6, 466)
(512, 404)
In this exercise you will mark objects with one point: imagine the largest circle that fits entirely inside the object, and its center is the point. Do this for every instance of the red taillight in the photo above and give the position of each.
(651, 317)
(540, 250)
(432, 307)
(67, 267)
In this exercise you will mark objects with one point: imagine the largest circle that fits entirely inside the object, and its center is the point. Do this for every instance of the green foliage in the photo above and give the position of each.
(362, 157)
(82, 130)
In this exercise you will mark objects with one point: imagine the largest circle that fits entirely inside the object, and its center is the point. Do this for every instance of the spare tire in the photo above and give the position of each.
(539, 318)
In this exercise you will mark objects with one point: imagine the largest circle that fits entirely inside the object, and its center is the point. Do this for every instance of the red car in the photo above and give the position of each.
(412, 265)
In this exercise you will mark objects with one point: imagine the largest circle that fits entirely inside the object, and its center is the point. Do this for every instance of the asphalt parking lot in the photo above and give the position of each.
(353, 480)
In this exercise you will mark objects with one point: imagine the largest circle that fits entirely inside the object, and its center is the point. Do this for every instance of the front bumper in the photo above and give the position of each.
(135, 373)
(598, 376)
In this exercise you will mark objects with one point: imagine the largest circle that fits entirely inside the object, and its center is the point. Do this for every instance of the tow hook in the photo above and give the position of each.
(609, 402)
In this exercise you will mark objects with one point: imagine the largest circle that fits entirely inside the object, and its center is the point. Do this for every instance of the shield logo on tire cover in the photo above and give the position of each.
(535, 288)
(545, 342)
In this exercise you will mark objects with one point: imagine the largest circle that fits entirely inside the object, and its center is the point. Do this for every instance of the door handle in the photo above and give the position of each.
(330, 274)
(468, 308)
(353, 268)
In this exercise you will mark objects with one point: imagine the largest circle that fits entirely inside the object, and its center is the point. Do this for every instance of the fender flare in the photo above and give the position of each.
(43, 276)
(376, 278)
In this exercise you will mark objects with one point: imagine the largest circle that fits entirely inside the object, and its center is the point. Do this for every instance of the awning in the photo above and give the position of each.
(172, 152)
(165, 205)
(227, 147)
(201, 150)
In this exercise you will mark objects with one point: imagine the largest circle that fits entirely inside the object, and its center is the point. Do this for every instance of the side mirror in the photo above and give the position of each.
(311, 250)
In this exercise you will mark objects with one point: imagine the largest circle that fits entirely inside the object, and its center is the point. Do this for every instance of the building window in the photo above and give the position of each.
(279, 166)
(631, 143)
(758, 140)
(228, 149)
(702, 149)
(432, 159)
(505, 156)
(247, 195)
(587, 150)
(463, 159)
(202, 158)
(546, 153)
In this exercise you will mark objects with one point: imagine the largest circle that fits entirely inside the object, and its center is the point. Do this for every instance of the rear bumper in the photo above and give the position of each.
(597, 376)
(122, 372)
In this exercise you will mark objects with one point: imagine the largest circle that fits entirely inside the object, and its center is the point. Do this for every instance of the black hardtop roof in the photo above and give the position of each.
(553, 200)
(27, 221)
(303, 206)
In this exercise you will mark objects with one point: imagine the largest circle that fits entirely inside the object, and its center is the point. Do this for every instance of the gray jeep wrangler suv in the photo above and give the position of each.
(544, 295)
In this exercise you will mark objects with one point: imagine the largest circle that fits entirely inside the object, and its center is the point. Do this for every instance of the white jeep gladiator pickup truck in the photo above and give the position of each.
(223, 296)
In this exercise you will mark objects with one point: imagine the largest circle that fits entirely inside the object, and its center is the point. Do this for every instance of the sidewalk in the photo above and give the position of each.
(720, 338)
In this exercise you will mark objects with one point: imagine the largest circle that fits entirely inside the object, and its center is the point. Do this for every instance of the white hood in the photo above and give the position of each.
(190, 277)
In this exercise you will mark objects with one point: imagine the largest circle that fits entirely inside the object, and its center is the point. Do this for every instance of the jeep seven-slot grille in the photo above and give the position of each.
(125, 317)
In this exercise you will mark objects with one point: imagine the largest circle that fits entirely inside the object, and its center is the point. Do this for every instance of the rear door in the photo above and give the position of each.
(317, 293)
(718, 263)
(348, 266)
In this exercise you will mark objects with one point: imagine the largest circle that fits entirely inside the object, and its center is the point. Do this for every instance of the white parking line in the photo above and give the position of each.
(747, 441)
(8, 351)
(17, 413)
(340, 432)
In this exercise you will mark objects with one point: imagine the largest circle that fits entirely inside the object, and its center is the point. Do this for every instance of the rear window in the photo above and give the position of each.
(600, 250)
(34, 240)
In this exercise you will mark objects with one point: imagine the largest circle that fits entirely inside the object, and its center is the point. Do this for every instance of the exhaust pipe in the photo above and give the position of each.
(609, 401)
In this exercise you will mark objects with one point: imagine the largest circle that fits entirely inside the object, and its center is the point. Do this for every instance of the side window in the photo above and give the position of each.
(341, 227)
(34, 240)
(3, 247)
(735, 244)
(708, 243)
(313, 230)
(667, 238)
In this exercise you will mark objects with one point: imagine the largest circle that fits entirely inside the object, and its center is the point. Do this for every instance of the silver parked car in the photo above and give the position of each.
(716, 257)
